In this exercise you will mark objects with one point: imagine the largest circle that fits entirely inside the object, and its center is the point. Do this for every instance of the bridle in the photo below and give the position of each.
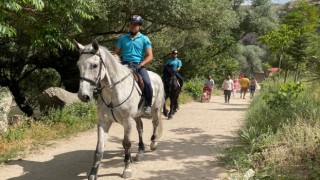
(97, 84)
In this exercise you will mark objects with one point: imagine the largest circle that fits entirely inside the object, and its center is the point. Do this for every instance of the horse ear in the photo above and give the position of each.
(78, 45)
(95, 45)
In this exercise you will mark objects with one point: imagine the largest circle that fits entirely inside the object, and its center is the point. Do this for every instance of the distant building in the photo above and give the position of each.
(271, 71)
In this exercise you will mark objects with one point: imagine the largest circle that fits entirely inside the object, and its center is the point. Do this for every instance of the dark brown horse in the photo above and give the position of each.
(172, 91)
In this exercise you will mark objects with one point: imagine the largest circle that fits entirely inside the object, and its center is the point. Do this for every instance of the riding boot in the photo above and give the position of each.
(147, 110)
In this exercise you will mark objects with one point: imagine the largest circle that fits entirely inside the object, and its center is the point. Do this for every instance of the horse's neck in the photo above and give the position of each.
(115, 72)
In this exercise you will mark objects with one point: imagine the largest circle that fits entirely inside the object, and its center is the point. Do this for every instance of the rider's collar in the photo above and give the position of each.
(129, 35)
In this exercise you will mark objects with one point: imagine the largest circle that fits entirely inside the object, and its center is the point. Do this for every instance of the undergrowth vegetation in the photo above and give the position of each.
(280, 135)
(194, 87)
(56, 124)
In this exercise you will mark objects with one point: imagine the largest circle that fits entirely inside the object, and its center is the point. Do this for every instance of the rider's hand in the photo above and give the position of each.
(138, 67)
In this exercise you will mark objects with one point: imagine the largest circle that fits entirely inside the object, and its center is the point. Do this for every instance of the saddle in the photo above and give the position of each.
(136, 75)
(138, 79)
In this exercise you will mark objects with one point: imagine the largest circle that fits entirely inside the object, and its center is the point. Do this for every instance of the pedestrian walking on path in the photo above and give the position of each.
(227, 87)
(244, 84)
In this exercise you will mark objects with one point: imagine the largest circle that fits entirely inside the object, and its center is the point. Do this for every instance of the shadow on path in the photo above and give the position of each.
(69, 166)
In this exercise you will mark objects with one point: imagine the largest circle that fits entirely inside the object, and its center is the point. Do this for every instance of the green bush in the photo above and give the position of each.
(194, 87)
(15, 134)
(284, 96)
(75, 114)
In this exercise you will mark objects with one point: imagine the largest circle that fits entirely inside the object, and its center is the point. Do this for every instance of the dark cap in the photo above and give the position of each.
(136, 19)
(174, 52)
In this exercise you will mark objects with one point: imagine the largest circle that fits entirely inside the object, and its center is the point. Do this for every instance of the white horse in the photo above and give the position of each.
(119, 100)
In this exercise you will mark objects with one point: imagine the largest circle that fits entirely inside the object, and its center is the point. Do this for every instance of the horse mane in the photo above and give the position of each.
(117, 67)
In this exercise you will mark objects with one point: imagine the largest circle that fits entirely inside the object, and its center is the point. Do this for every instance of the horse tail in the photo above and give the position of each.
(159, 130)
(160, 126)
(160, 99)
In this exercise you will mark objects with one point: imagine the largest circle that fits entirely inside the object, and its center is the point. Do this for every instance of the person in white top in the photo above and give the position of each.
(209, 82)
(208, 86)
(227, 87)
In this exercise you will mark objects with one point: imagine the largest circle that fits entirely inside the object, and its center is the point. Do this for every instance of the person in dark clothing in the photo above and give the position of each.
(173, 65)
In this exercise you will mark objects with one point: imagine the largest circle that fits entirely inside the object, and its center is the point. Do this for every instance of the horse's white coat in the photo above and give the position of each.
(111, 72)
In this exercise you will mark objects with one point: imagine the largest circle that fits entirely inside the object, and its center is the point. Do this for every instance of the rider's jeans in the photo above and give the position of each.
(148, 91)
(147, 85)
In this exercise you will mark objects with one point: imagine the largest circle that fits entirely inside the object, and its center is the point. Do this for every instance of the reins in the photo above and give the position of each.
(98, 88)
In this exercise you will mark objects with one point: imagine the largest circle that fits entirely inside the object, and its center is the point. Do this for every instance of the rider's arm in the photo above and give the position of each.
(179, 65)
(148, 58)
(117, 51)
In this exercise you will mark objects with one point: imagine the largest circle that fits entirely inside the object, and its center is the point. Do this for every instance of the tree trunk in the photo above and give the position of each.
(296, 73)
(286, 75)
(280, 58)
(20, 98)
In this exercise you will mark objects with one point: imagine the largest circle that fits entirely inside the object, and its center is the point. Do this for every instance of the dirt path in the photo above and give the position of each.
(188, 149)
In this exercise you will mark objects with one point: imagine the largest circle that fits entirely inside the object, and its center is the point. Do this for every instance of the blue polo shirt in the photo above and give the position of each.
(133, 50)
(175, 63)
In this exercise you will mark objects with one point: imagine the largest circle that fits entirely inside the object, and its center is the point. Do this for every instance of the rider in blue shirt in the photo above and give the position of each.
(135, 50)
(175, 65)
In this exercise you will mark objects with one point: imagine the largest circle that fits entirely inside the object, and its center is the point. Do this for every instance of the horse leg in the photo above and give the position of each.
(103, 129)
(157, 128)
(126, 143)
(165, 110)
(171, 107)
(176, 105)
(139, 126)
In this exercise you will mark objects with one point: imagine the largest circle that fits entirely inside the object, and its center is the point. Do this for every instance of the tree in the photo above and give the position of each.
(257, 18)
(279, 40)
(29, 38)
(250, 58)
(10, 6)
(304, 19)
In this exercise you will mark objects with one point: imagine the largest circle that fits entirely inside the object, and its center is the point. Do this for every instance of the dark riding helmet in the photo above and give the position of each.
(136, 19)
(174, 52)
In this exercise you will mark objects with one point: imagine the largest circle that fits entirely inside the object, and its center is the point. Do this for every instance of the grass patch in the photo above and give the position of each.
(294, 153)
(280, 134)
(184, 98)
(31, 134)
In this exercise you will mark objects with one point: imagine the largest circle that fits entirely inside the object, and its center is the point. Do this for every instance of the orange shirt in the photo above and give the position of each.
(244, 82)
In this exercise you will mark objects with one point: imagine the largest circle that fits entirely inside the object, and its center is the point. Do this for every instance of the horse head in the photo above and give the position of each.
(92, 69)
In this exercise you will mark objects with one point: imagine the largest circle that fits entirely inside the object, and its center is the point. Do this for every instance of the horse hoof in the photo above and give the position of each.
(127, 173)
(170, 117)
(153, 146)
(138, 157)
(92, 177)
